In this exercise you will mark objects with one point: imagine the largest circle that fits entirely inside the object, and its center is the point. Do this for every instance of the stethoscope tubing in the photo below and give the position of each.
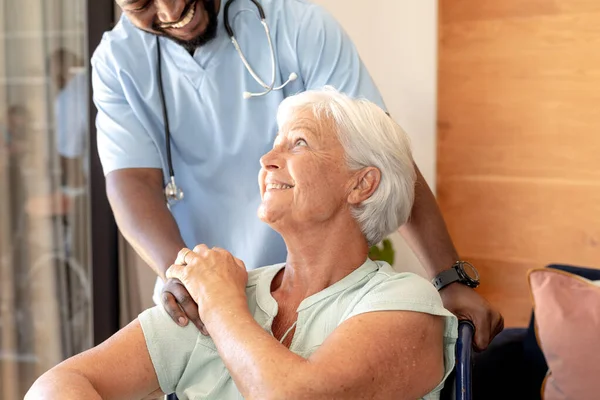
(172, 192)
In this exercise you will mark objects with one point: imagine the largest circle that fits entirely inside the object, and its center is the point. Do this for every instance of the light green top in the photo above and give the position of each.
(187, 362)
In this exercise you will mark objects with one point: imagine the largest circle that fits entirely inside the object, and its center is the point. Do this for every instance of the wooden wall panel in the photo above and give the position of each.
(504, 284)
(537, 222)
(518, 176)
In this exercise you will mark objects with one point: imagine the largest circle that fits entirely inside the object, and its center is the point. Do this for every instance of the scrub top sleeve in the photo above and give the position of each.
(327, 56)
(123, 142)
(170, 346)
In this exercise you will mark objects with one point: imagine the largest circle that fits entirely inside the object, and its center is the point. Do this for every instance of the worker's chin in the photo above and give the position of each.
(203, 32)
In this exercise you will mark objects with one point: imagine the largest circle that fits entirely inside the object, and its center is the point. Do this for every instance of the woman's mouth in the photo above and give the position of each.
(278, 186)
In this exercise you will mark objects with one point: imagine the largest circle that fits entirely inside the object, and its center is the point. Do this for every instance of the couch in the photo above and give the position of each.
(513, 366)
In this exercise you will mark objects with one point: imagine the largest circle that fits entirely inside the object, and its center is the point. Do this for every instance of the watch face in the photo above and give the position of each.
(470, 271)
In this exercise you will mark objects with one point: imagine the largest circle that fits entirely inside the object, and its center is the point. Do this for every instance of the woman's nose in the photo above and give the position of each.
(271, 160)
(169, 11)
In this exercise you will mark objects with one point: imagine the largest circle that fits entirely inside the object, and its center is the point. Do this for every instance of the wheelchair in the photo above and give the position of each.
(458, 386)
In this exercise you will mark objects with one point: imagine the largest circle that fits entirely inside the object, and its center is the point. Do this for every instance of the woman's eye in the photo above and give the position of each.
(300, 142)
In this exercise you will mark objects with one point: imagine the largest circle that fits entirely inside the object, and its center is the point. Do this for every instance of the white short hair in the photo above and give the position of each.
(370, 138)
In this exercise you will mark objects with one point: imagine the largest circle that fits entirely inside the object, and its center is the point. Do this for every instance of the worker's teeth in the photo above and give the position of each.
(187, 19)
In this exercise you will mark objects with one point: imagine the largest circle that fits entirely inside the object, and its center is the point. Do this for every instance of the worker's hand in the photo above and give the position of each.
(467, 304)
(180, 305)
(215, 279)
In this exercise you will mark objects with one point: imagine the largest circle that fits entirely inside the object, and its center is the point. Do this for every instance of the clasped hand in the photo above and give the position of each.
(202, 280)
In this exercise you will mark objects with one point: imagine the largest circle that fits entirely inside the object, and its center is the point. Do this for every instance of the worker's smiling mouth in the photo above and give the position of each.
(188, 15)
(196, 26)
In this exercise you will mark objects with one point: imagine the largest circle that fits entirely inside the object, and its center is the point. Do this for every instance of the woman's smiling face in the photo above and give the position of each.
(304, 179)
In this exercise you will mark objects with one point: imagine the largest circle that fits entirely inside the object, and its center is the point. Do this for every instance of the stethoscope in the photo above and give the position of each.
(173, 192)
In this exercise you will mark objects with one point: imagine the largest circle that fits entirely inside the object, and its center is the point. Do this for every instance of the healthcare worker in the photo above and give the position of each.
(71, 118)
(187, 94)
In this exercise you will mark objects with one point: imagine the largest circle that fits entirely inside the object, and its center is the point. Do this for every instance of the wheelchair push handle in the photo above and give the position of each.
(464, 349)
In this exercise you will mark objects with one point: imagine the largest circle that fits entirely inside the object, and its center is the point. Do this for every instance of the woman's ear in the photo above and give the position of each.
(366, 181)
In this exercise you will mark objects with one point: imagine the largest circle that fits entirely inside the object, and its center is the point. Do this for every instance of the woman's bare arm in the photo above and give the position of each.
(374, 355)
(377, 355)
(119, 368)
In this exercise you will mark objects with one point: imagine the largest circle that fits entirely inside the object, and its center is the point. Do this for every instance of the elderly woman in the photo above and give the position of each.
(328, 323)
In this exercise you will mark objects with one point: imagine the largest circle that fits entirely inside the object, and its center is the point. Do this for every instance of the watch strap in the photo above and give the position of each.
(445, 278)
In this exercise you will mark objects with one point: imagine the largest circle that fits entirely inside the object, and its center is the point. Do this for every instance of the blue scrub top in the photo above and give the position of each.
(218, 136)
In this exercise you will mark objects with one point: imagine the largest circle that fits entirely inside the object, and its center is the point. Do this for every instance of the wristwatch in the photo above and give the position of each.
(461, 271)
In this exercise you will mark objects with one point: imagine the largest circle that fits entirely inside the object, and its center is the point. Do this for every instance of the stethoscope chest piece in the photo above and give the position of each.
(173, 193)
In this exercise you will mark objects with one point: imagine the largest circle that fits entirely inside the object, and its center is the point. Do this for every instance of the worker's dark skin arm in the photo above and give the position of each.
(426, 231)
(428, 237)
(138, 202)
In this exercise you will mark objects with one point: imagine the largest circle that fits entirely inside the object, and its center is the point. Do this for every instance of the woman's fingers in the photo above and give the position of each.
(174, 271)
(200, 280)
(240, 263)
(181, 256)
(201, 249)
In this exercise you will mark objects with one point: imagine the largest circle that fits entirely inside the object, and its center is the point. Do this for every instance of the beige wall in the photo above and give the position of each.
(398, 43)
(397, 40)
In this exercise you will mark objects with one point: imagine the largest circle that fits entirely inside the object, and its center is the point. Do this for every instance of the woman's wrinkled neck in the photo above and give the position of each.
(319, 258)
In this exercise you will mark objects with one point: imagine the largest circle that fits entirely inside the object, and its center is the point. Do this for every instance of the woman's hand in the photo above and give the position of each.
(214, 278)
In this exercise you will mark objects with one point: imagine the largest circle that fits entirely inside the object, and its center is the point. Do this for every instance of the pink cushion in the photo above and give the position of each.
(567, 316)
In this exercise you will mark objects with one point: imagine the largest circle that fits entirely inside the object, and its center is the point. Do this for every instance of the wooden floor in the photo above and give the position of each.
(518, 176)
